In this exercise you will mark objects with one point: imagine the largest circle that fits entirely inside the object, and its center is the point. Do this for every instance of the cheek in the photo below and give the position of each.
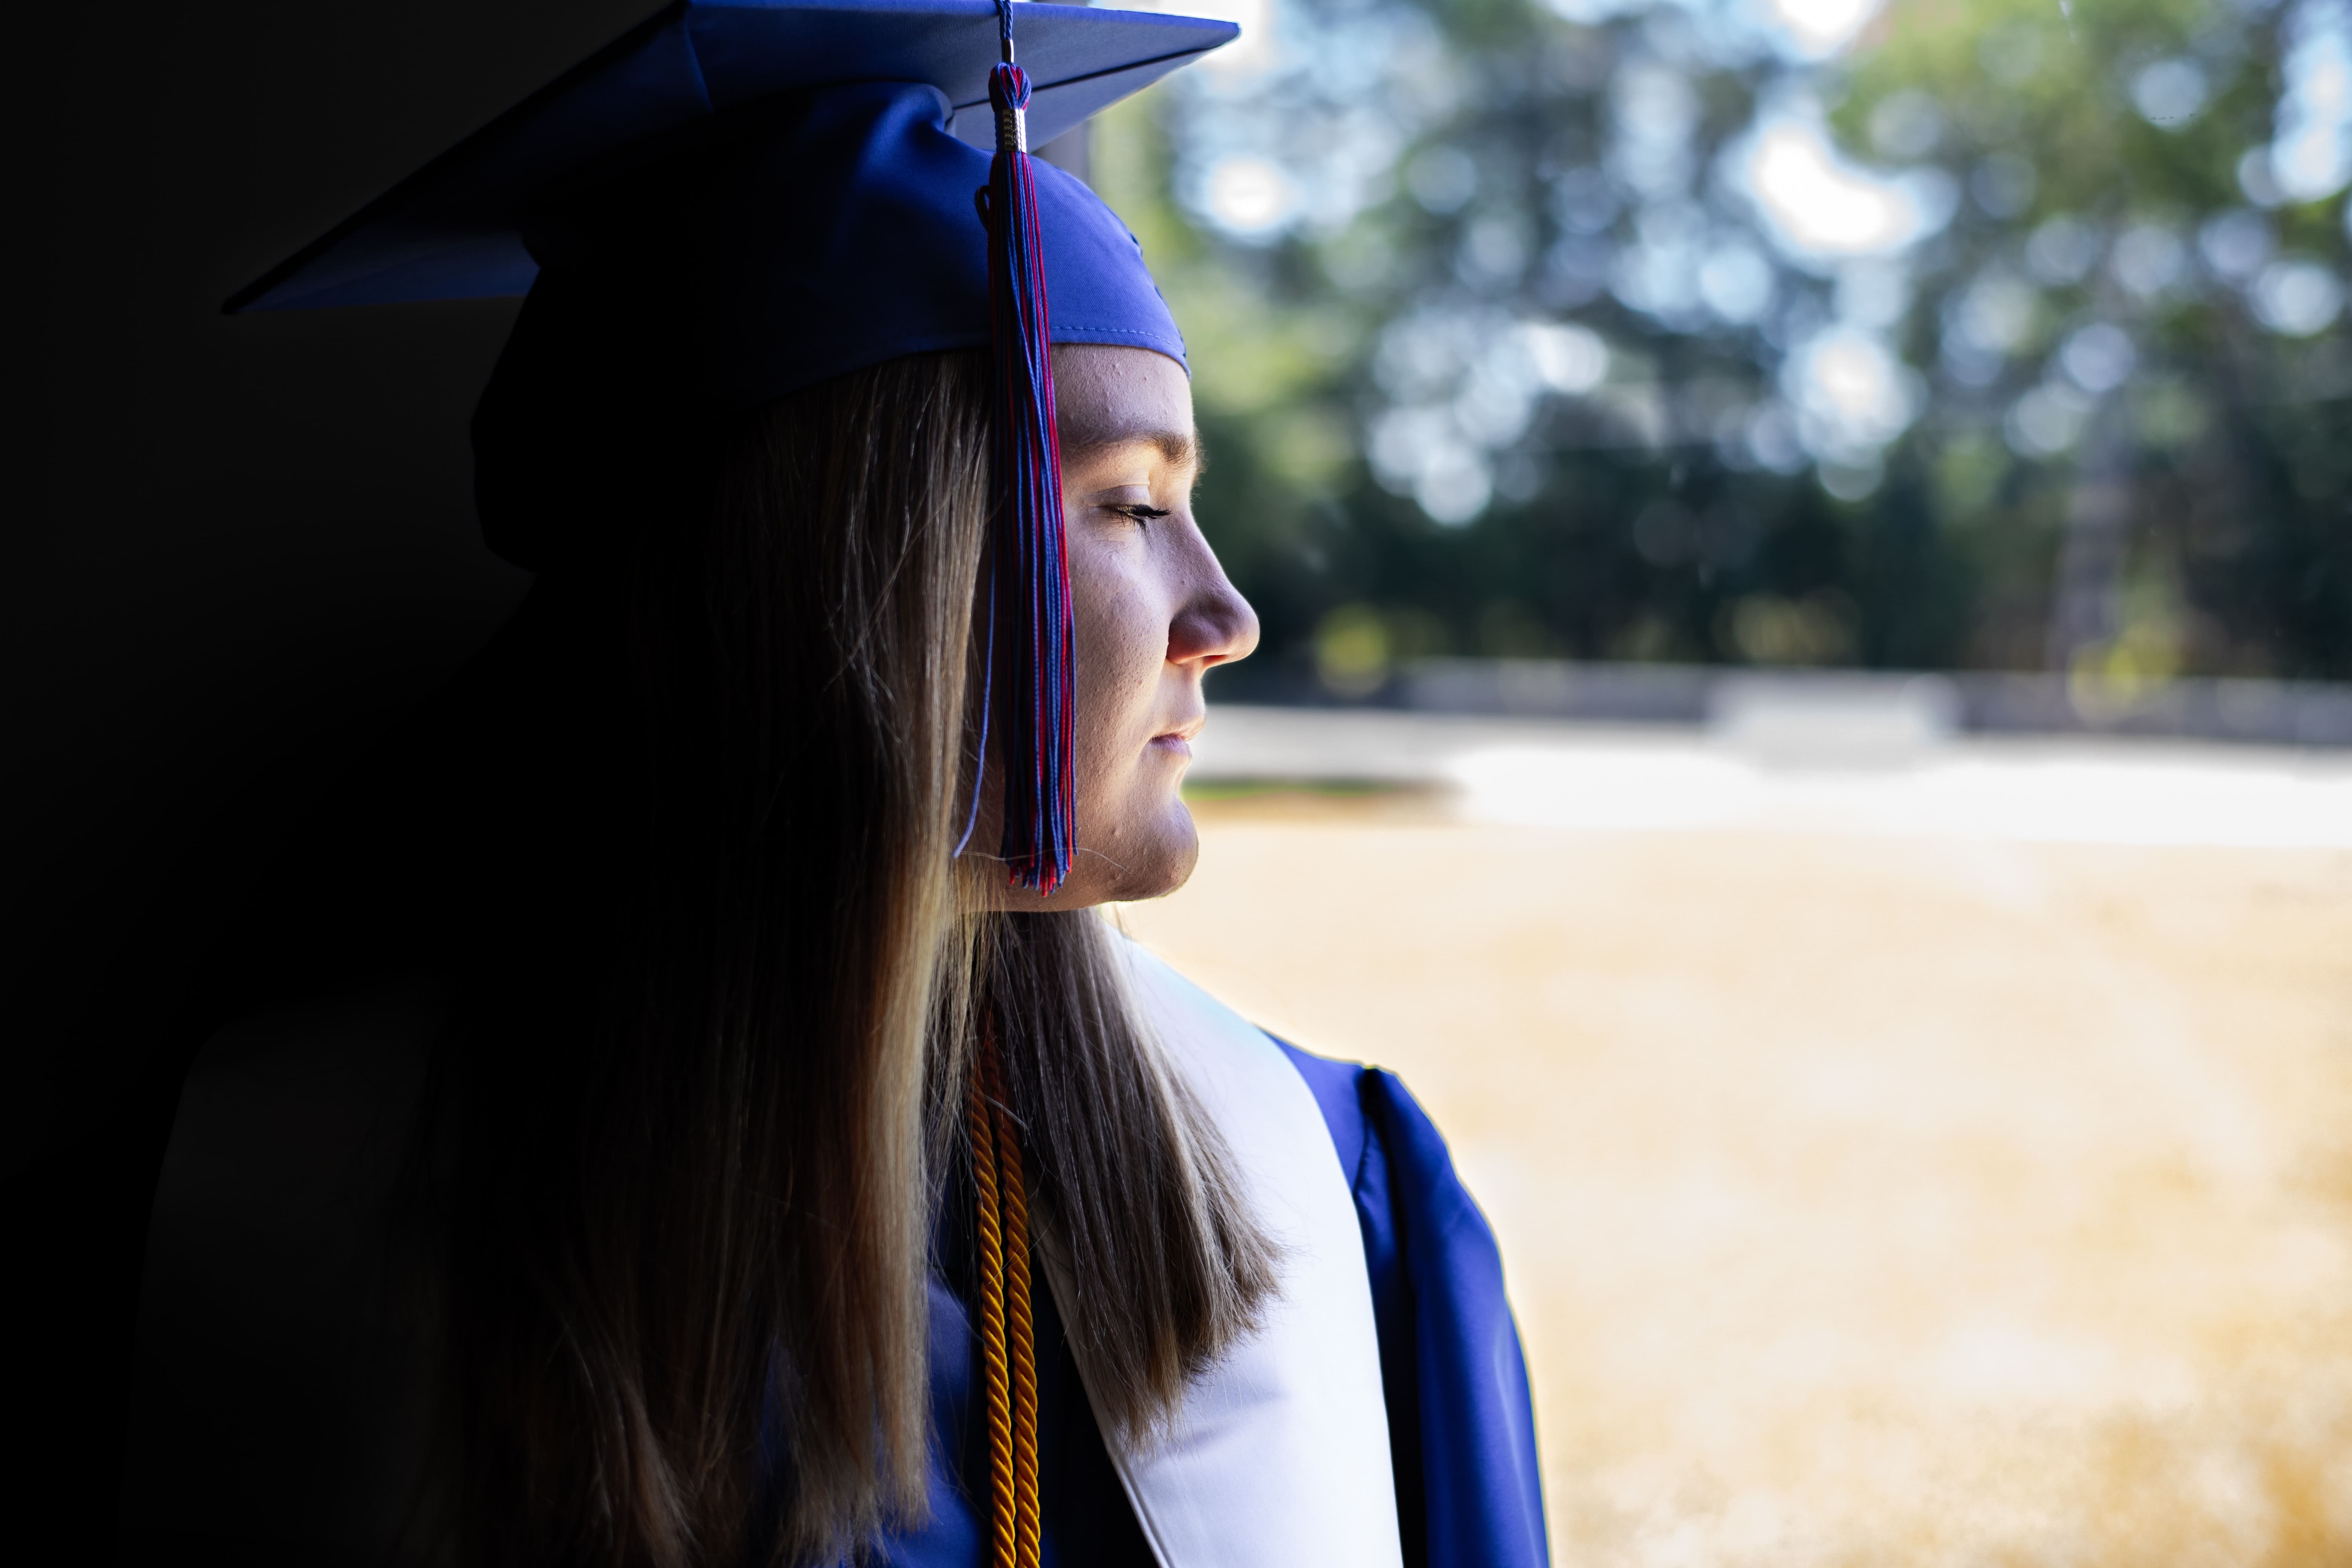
(1121, 648)
(1131, 814)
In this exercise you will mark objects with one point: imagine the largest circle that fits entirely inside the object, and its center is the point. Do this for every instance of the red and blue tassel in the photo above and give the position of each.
(1031, 572)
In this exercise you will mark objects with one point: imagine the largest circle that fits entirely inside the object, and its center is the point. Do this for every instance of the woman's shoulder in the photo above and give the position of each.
(1460, 1418)
(1280, 1452)
(294, 1119)
(273, 1399)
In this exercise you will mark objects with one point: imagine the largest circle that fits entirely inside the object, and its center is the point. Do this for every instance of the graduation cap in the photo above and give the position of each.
(740, 199)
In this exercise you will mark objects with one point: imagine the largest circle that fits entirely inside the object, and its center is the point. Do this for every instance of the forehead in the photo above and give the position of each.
(1106, 396)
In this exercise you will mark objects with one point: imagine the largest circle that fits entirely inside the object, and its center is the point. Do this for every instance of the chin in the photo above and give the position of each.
(1175, 850)
(1150, 858)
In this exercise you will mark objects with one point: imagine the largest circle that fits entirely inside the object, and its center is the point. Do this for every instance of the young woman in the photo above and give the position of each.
(800, 1169)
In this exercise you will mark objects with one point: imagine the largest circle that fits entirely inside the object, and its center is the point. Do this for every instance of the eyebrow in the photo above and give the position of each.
(1178, 448)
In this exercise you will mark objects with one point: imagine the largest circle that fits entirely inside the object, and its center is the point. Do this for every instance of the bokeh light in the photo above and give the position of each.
(1904, 285)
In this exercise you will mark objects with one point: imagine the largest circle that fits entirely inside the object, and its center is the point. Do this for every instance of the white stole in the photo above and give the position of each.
(1278, 1457)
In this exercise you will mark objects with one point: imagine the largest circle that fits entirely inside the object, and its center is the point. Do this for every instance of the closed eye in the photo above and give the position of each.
(1140, 512)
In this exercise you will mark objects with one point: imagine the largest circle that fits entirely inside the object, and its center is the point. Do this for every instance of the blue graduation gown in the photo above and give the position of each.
(1461, 1423)
(1461, 1420)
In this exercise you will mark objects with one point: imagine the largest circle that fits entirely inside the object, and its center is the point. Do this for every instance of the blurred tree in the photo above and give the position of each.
(1979, 334)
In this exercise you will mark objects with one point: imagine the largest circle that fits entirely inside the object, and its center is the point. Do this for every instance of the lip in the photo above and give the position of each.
(1173, 741)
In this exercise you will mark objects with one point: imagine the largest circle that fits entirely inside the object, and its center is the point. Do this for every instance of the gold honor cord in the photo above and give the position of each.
(1007, 1341)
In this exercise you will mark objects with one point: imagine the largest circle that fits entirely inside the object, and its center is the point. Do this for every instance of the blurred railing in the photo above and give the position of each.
(2270, 712)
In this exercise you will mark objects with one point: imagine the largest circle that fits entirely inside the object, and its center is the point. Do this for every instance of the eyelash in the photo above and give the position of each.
(1142, 513)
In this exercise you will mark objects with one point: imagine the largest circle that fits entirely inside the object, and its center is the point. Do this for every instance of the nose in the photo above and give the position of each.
(1213, 625)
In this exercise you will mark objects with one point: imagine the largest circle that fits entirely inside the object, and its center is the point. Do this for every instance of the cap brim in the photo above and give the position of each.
(453, 229)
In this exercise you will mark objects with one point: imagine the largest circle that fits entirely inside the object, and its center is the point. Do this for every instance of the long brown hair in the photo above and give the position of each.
(696, 1128)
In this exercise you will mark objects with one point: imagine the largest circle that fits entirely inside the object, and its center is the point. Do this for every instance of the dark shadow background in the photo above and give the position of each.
(235, 553)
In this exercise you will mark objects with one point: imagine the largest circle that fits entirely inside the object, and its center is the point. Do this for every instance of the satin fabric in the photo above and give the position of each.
(1278, 1455)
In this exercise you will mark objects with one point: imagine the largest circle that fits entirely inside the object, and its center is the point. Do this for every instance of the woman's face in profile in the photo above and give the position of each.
(1154, 614)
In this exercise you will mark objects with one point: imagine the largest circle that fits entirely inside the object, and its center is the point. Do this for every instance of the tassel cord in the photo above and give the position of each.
(1007, 1330)
(1041, 718)
(980, 1124)
(1020, 1333)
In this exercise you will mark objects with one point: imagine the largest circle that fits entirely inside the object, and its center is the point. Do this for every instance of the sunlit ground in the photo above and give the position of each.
(1887, 1198)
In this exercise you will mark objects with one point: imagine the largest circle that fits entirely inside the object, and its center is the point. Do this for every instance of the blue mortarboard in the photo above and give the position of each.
(456, 228)
(739, 199)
